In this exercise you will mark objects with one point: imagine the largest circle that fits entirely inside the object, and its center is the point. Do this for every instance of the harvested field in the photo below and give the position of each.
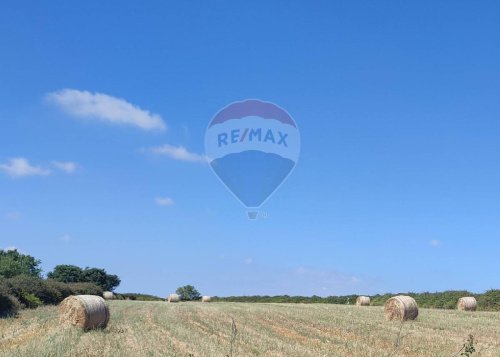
(204, 330)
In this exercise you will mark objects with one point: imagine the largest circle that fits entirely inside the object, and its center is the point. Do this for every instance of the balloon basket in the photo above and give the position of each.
(252, 215)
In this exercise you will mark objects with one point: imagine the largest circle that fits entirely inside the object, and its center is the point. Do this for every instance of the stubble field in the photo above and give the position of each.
(204, 330)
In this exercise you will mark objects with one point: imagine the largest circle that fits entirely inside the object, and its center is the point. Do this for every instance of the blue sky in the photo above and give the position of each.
(398, 183)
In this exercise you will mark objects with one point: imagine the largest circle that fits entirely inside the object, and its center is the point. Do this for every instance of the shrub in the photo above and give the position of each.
(63, 289)
(23, 286)
(85, 289)
(489, 301)
(139, 297)
(31, 301)
(9, 305)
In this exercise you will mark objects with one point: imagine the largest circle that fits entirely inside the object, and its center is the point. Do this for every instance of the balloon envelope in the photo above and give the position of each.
(252, 147)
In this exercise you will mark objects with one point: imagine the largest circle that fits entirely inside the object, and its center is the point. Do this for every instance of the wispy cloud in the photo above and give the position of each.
(20, 167)
(103, 107)
(66, 238)
(248, 261)
(329, 279)
(435, 242)
(164, 201)
(68, 167)
(13, 216)
(178, 153)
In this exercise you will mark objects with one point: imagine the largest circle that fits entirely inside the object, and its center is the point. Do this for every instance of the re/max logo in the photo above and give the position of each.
(251, 134)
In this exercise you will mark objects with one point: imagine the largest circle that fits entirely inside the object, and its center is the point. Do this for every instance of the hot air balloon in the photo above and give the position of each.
(252, 146)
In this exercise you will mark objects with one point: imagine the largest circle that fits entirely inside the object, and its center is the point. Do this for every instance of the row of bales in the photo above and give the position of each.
(108, 295)
(91, 311)
(403, 307)
(176, 298)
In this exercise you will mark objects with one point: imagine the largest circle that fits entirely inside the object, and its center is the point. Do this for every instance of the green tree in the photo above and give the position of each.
(188, 293)
(66, 274)
(13, 263)
(101, 278)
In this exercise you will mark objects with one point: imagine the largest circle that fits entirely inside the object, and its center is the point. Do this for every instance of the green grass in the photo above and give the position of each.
(204, 330)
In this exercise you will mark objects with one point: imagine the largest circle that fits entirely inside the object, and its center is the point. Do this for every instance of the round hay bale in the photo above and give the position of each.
(206, 299)
(401, 308)
(467, 303)
(362, 301)
(108, 295)
(173, 298)
(85, 311)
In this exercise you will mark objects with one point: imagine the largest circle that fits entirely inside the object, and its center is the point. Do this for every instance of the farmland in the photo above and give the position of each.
(204, 330)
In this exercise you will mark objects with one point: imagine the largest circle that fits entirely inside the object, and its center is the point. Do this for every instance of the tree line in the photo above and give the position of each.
(487, 301)
(22, 284)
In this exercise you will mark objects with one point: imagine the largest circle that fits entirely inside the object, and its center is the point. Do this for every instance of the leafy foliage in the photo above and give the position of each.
(66, 274)
(31, 301)
(24, 287)
(101, 278)
(138, 297)
(489, 301)
(31, 292)
(9, 305)
(188, 293)
(468, 348)
(74, 274)
(13, 263)
(85, 289)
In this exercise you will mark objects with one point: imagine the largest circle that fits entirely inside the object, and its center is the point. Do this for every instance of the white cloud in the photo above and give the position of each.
(66, 238)
(435, 242)
(68, 167)
(99, 106)
(164, 201)
(248, 261)
(178, 153)
(20, 167)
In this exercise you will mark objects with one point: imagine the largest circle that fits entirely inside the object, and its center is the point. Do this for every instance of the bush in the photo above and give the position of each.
(85, 289)
(63, 289)
(23, 287)
(31, 301)
(138, 297)
(489, 301)
(9, 305)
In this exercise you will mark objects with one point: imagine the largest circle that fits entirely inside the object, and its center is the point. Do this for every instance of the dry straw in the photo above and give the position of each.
(108, 295)
(363, 301)
(401, 308)
(173, 298)
(467, 303)
(206, 299)
(85, 311)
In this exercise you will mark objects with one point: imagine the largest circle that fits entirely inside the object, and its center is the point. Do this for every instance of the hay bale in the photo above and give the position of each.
(401, 308)
(85, 311)
(206, 299)
(173, 298)
(108, 295)
(363, 301)
(467, 303)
